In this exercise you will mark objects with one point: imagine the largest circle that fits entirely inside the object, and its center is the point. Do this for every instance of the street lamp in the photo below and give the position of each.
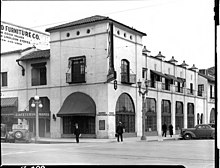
(36, 103)
(143, 137)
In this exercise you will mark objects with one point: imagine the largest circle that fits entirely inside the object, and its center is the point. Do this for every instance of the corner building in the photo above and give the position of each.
(89, 76)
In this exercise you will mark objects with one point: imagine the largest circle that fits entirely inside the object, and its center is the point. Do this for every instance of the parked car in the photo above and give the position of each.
(199, 131)
(20, 132)
(4, 132)
(212, 125)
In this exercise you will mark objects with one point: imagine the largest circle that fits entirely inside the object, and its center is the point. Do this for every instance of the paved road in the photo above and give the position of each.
(191, 154)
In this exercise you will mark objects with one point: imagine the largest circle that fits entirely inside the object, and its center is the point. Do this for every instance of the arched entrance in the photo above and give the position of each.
(151, 113)
(190, 115)
(212, 116)
(125, 112)
(78, 108)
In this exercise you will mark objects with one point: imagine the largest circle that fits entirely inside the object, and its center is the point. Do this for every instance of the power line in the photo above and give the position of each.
(126, 10)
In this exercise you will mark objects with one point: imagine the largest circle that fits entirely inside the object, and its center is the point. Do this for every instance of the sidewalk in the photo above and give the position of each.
(94, 140)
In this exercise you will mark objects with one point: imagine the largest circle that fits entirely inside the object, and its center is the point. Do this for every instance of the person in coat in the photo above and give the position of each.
(171, 130)
(164, 129)
(77, 133)
(119, 131)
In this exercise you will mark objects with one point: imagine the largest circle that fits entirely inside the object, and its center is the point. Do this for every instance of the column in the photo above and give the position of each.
(159, 117)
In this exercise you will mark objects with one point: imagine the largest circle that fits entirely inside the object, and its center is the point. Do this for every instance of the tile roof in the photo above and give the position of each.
(210, 78)
(41, 54)
(8, 102)
(91, 19)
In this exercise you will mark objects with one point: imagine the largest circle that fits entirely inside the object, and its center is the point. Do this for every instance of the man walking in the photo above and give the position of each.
(77, 132)
(164, 129)
(119, 131)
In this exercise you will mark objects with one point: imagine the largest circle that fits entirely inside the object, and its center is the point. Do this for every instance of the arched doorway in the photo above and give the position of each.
(151, 121)
(125, 112)
(179, 116)
(212, 116)
(190, 115)
(78, 108)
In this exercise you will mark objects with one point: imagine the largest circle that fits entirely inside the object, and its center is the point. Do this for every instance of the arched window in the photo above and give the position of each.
(125, 68)
(198, 118)
(166, 112)
(212, 116)
(179, 115)
(125, 112)
(190, 115)
(201, 119)
(151, 121)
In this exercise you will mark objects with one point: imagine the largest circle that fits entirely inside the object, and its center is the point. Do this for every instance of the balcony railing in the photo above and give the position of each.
(190, 91)
(165, 86)
(128, 79)
(178, 89)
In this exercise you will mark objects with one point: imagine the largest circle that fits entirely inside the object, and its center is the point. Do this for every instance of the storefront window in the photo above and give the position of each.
(125, 112)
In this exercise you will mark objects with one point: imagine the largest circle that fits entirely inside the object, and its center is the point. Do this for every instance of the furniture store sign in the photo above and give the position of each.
(17, 37)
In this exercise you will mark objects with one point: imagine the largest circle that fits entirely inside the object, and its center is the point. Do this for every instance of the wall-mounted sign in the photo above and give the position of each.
(15, 37)
(28, 114)
(101, 124)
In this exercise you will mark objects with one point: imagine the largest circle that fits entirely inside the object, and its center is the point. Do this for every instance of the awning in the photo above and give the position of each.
(174, 78)
(9, 102)
(41, 54)
(78, 104)
(159, 73)
(182, 80)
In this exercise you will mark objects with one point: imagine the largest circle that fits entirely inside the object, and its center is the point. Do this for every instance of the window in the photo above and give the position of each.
(166, 112)
(39, 74)
(125, 71)
(77, 66)
(200, 89)
(191, 88)
(166, 106)
(151, 120)
(4, 79)
(179, 115)
(144, 73)
(190, 115)
(212, 92)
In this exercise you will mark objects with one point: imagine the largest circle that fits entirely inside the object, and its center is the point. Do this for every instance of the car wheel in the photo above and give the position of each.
(18, 135)
(187, 136)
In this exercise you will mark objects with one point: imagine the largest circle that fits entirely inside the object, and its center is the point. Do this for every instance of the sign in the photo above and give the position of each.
(15, 37)
(101, 124)
(27, 114)
(115, 84)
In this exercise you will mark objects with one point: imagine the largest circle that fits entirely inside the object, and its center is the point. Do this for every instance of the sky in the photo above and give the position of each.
(180, 28)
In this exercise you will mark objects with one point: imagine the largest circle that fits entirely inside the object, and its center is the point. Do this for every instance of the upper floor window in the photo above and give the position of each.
(125, 68)
(144, 73)
(4, 79)
(212, 91)
(39, 74)
(200, 89)
(77, 70)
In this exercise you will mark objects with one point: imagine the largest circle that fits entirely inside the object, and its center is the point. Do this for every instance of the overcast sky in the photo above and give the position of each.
(180, 28)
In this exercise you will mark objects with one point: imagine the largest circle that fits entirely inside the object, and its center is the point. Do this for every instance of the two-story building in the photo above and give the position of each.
(89, 76)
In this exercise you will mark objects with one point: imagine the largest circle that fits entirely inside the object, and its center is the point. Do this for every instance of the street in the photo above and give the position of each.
(191, 154)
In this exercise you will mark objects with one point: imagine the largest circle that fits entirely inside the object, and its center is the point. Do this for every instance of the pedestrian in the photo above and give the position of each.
(77, 132)
(164, 129)
(119, 131)
(171, 130)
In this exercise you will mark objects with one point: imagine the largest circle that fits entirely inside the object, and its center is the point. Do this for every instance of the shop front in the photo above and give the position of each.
(9, 106)
(78, 108)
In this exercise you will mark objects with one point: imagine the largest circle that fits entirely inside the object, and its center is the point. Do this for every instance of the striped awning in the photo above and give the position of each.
(9, 102)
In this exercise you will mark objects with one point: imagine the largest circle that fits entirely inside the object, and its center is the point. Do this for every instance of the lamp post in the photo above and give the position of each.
(37, 103)
(143, 137)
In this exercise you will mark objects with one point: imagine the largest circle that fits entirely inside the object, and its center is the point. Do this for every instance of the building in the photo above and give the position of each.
(89, 76)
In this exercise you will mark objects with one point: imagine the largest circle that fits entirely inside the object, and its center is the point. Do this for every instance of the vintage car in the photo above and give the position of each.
(199, 131)
(20, 132)
(4, 132)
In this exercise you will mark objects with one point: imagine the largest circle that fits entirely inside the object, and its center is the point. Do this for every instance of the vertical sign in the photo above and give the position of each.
(111, 72)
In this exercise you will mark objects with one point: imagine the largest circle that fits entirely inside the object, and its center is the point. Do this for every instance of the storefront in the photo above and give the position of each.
(9, 106)
(78, 108)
